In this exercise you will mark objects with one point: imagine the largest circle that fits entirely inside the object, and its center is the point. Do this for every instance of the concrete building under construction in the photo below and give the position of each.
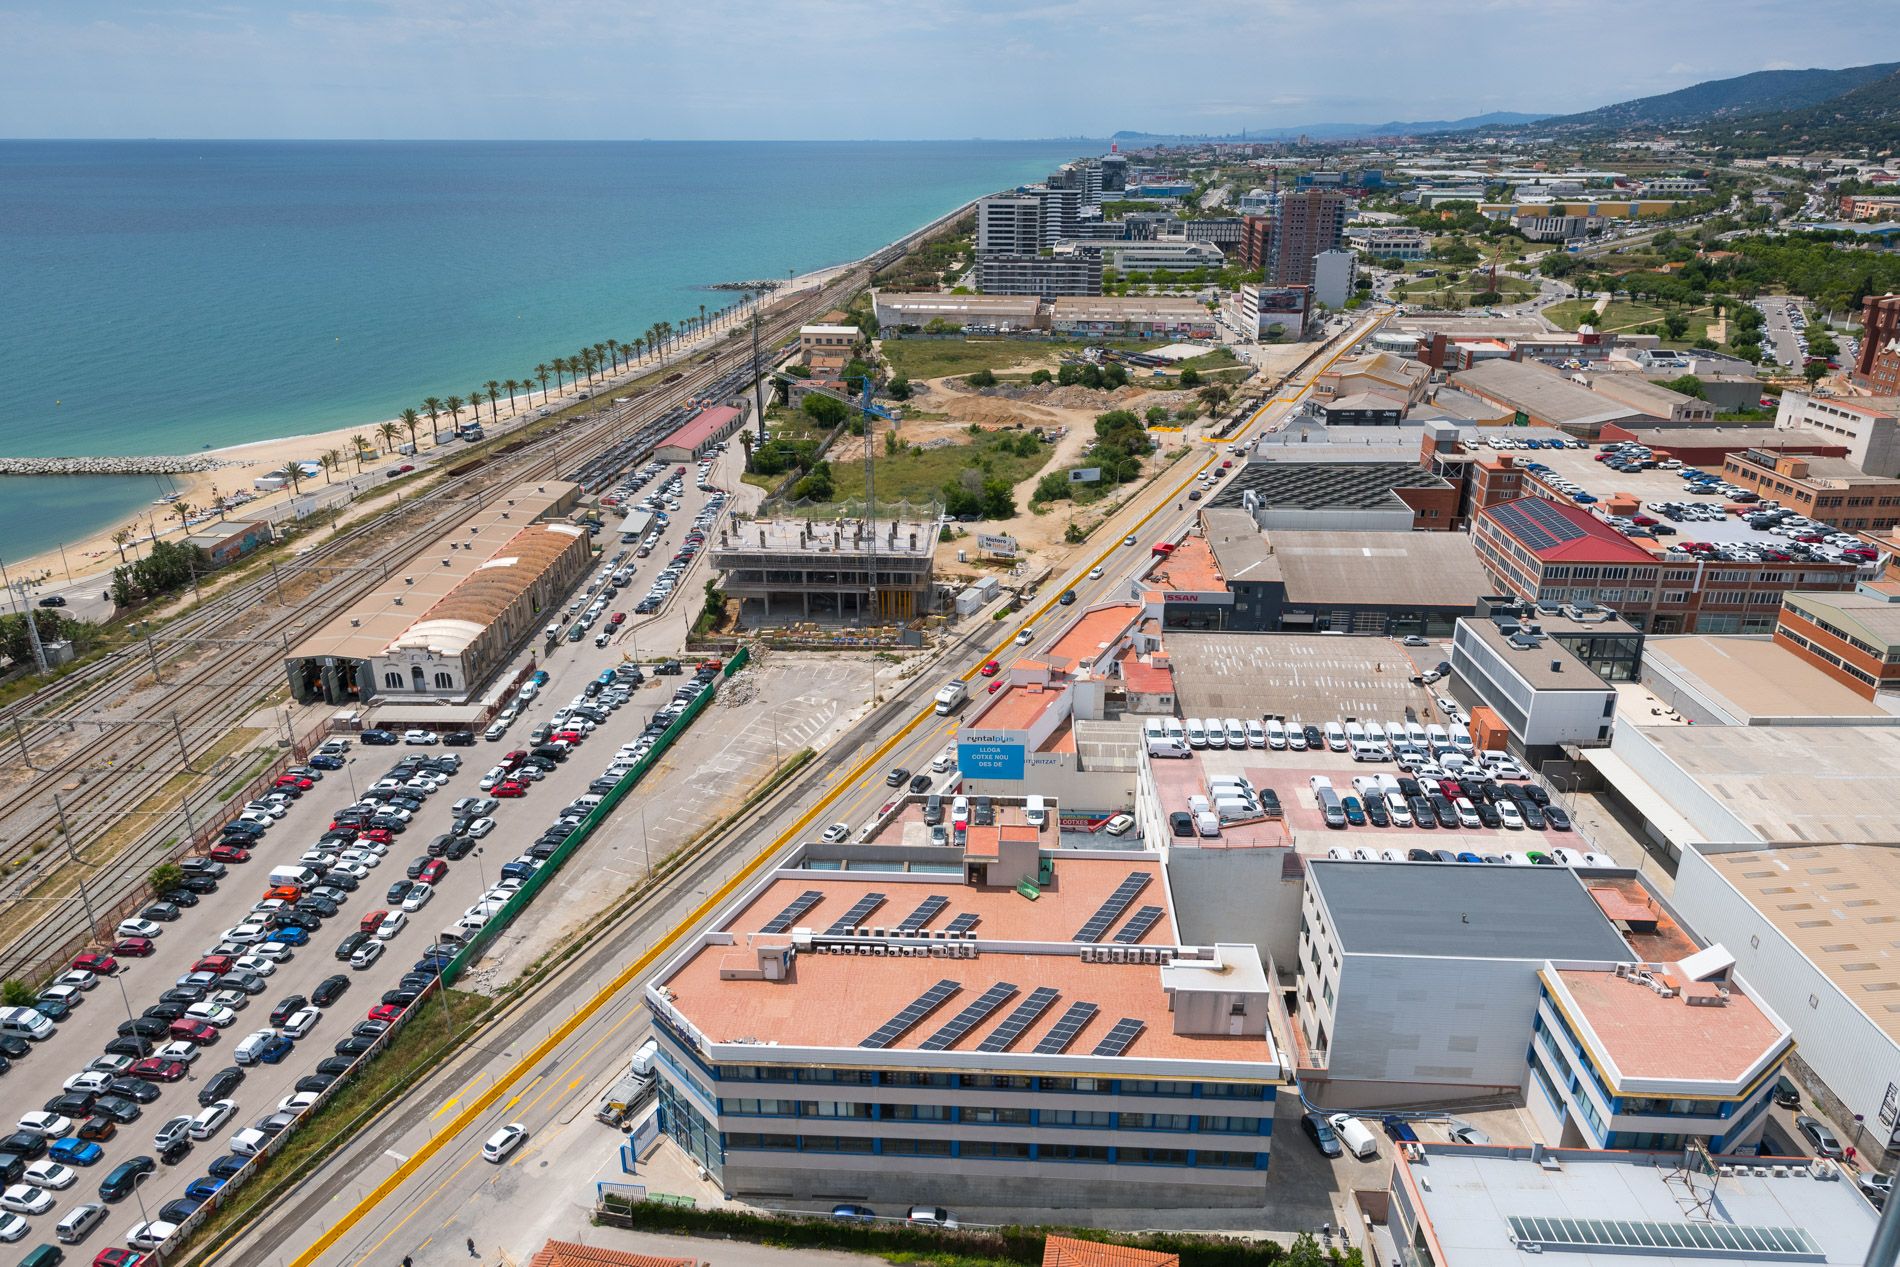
(816, 569)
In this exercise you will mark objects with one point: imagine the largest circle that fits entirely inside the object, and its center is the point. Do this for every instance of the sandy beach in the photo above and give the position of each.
(96, 555)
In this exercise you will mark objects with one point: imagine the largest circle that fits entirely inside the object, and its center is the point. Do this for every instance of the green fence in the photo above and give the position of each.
(578, 837)
(738, 660)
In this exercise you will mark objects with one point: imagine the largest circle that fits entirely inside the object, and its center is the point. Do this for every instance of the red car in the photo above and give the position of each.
(405, 468)
(1162, 548)
(373, 921)
(387, 1012)
(508, 788)
(293, 780)
(202, 1033)
(219, 964)
(120, 1258)
(103, 965)
(381, 835)
(513, 760)
(565, 736)
(996, 686)
(229, 853)
(618, 618)
(992, 669)
(160, 1070)
(433, 871)
(134, 947)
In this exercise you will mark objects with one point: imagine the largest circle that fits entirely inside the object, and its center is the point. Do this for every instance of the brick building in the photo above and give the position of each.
(1256, 233)
(1878, 368)
(1832, 490)
(1307, 223)
(1853, 638)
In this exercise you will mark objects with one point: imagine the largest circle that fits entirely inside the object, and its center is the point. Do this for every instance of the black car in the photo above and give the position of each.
(439, 846)
(355, 1045)
(1487, 814)
(1409, 788)
(317, 908)
(14, 1048)
(288, 1005)
(398, 891)
(1556, 818)
(1314, 740)
(377, 738)
(73, 1104)
(181, 1209)
(127, 1175)
(175, 1151)
(920, 783)
(1533, 817)
(459, 848)
(1181, 823)
(1445, 812)
(129, 1045)
(185, 994)
(316, 1081)
(163, 912)
(1531, 792)
(1376, 812)
(335, 1066)
(222, 1084)
(118, 1108)
(1320, 1131)
(146, 1027)
(545, 764)
(459, 739)
(401, 997)
(416, 864)
(180, 897)
(227, 1166)
(329, 990)
(983, 812)
(415, 980)
(167, 1012)
(26, 1145)
(1422, 813)
(369, 1029)
(350, 945)
(1420, 855)
(347, 883)
(203, 885)
(134, 1089)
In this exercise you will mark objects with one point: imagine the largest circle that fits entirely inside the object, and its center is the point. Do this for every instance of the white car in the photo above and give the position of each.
(47, 1125)
(89, 1082)
(355, 870)
(836, 833)
(480, 827)
(211, 1014)
(418, 897)
(493, 777)
(302, 1021)
(210, 1118)
(24, 1198)
(247, 933)
(274, 951)
(1507, 813)
(358, 857)
(1119, 825)
(502, 1145)
(78, 979)
(367, 954)
(183, 1052)
(50, 1174)
(13, 1227)
(150, 1236)
(297, 1103)
(1095, 574)
(393, 923)
(1025, 637)
(139, 928)
(419, 736)
(255, 963)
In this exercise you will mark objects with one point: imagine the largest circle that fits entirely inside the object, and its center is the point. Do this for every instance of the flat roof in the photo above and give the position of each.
(1534, 664)
(1438, 911)
(708, 422)
(1192, 567)
(1646, 1034)
(1090, 636)
(1237, 545)
(1874, 620)
(1543, 393)
(1016, 706)
(1794, 784)
(1422, 569)
(1830, 902)
(1755, 679)
(1121, 307)
(1822, 470)
(931, 302)
(1764, 436)
(1347, 482)
(1469, 1196)
(827, 536)
(1634, 389)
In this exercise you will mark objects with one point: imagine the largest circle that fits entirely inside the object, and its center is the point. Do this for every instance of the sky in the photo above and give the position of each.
(851, 69)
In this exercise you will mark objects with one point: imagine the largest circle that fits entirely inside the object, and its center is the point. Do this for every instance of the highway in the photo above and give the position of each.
(413, 1182)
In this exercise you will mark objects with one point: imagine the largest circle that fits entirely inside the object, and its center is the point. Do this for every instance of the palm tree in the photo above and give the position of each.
(475, 403)
(600, 355)
(359, 442)
(702, 316)
(454, 407)
(433, 408)
(121, 539)
(590, 361)
(560, 368)
(613, 351)
(182, 509)
(581, 363)
(389, 431)
(411, 420)
(541, 372)
(509, 387)
(492, 390)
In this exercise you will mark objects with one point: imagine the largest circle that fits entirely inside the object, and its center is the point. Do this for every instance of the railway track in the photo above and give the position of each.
(207, 673)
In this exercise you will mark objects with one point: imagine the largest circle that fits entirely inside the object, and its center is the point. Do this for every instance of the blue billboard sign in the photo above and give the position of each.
(987, 759)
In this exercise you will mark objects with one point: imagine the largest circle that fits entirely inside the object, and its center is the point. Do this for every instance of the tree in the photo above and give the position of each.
(984, 377)
(1190, 378)
(1675, 325)
(359, 443)
(541, 372)
(492, 390)
(1156, 415)
(1814, 371)
(475, 403)
(1215, 396)
(410, 421)
(1039, 377)
(121, 539)
(388, 432)
(898, 388)
(1688, 385)
(827, 411)
(715, 605)
(17, 645)
(453, 407)
(329, 460)
(433, 408)
(1069, 375)
(166, 875)
(509, 386)
(16, 993)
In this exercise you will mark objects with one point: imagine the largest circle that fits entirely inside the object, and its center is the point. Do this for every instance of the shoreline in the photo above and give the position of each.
(95, 555)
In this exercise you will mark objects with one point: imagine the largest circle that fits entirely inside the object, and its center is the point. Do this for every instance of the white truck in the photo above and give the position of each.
(953, 694)
(631, 1088)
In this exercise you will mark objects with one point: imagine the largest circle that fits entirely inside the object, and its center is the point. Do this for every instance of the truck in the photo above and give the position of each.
(952, 694)
(631, 1088)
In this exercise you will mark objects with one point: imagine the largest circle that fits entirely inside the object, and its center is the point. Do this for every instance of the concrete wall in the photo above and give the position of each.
(1538, 718)
(1458, 1024)
(1711, 819)
(821, 1179)
(1227, 896)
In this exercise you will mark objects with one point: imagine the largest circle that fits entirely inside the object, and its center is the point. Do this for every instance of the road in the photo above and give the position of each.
(414, 1184)
(1779, 331)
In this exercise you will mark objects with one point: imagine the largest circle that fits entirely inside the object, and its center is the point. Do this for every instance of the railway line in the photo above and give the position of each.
(199, 680)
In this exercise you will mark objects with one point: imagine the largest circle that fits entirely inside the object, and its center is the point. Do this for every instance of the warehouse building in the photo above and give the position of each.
(899, 311)
(697, 436)
(1542, 397)
(438, 628)
(1131, 316)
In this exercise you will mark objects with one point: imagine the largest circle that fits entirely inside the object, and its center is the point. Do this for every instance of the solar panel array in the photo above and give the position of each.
(924, 1004)
(859, 912)
(927, 910)
(1126, 1031)
(1004, 1035)
(1112, 909)
(1057, 1040)
(783, 921)
(1694, 1237)
(1138, 924)
(1538, 523)
(972, 1015)
(962, 924)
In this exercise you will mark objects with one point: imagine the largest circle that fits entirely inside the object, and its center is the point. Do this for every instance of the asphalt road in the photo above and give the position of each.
(453, 1195)
(40, 1076)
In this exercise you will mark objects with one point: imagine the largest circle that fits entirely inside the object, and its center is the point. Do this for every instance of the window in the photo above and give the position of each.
(1138, 1086)
(918, 1112)
(996, 1082)
(907, 1078)
(837, 1144)
(745, 1107)
(782, 1143)
(1226, 1160)
(393, 681)
(999, 1117)
(917, 1147)
(1233, 1090)
(444, 681)
(835, 1108)
(1153, 1156)
(1091, 1086)
(1231, 1125)
(1151, 1121)
(856, 1077)
(1073, 1117)
(993, 1148)
(1071, 1152)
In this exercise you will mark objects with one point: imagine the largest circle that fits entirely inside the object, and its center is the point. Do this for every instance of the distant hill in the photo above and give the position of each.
(1340, 131)
(1866, 117)
(1745, 95)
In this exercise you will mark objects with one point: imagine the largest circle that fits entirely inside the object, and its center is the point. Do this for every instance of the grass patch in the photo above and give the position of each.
(1219, 358)
(1458, 290)
(919, 475)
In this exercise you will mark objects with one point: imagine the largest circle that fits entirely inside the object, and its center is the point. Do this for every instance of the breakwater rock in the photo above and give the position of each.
(112, 466)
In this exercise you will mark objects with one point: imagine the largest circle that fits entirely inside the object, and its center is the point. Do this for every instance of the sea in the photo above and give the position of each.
(170, 296)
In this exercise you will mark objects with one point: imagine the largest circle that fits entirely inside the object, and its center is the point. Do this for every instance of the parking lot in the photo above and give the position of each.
(1312, 677)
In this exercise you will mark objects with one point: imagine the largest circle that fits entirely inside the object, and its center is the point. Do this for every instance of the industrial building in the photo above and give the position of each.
(698, 434)
(897, 311)
(1542, 397)
(1543, 692)
(860, 1026)
(805, 568)
(438, 628)
(1869, 426)
(1853, 637)
(1131, 316)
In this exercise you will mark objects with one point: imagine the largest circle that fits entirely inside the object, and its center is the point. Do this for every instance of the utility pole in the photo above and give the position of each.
(18, 590)
(184, 754)
(758, 370)
(146, 629)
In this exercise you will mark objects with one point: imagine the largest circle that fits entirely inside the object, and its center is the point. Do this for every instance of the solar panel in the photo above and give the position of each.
(1057, 1040)
(1138, 924)
(927, 910)
(1126, 1030)
(1039, 1001)
(1733, 1238)
(859, 912)
(924, 1004)
(962, 924)
(783, 921)
(1538, 523)
(1112, 909)
(960, 1024)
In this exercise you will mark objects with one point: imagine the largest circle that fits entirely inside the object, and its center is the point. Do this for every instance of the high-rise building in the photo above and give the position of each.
(1879, 364)
(1256, 239)
(1306, 222)
(1061, 272)
(1061, 213)
(1114, 173)
(1333, 275)
(1009, 224)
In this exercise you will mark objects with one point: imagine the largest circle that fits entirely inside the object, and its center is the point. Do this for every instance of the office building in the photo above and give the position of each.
(1008, 224)
(1544, 693)
(1389, 242)
(1333, 274)
(1163, 255)
(1868, 426)
(1225, 232)
(1878, 366)
(1832, 490)
(1256, 236)
(893, 1031)
(1853, 637)
(1538, 227)
(1453, 1205)
(1062, 272)
(1306, 223)
(1870, 207)
(1256, 312)
(800, 568)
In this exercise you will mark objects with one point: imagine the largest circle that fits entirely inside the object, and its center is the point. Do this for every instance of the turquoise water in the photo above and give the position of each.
(170, 296)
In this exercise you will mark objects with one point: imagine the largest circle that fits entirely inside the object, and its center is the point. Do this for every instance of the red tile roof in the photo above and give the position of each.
(1559, 533)
(1064, 1251)
(702, 427)
(571, 1254)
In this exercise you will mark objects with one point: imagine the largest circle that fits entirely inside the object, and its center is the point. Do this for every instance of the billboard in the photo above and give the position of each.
(991, 543)
(1085, 474)
(990, 758)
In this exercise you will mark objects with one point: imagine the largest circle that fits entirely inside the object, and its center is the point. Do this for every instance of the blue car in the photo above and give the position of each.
(324, 761)
(76, 1152)
(1469, 857)
(275, 1050)
(204, 1187)
(1397, 1127)
(291, 936)
(228, 1165)
(540, 677)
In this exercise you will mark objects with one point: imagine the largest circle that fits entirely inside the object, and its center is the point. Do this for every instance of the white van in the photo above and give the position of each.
(1335, 736)
(1276, 734)
(1174, 728)
(1231, 811)
(302, 877)
(1355, 733)
(1233, 780)
(28, 1023)
(1416, 734)
(1196, 733)
(1170, 748)
(1036, 812)
(1256, 735)
(1359, 1141)
(1236, 733)
(1216, 732)
(1317, 782)
(1207, 823)
(1152, 729)
(1370, 752)
(454, 937)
